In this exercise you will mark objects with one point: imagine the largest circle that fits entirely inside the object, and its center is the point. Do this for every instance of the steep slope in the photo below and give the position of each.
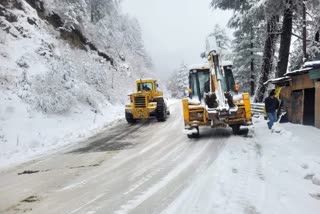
(62, 74)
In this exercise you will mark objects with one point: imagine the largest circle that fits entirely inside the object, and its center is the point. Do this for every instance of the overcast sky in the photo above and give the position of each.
(174, 31)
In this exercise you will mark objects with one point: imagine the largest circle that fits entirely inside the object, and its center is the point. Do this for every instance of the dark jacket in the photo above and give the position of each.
(271, 104)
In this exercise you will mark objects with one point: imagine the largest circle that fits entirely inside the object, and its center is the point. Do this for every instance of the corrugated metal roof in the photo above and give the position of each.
(306, 68)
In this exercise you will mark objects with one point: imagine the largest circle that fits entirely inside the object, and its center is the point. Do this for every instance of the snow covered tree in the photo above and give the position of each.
(293, 11)
(268, 53)
(247, 58)
(285, 41)
(247, 46)
(105, 26)
(67, 62)
(101, 8)
(312, 24)
(267, 15)
(222, 38)
(295, 21)
(178, 83)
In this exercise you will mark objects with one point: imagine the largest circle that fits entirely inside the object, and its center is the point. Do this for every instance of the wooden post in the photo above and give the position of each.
(317, 104)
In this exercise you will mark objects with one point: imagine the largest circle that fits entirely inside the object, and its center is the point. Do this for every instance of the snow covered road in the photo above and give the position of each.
(152, 167)
(129, 169)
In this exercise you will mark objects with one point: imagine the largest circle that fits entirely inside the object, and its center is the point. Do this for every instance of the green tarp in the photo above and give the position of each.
(314, 74)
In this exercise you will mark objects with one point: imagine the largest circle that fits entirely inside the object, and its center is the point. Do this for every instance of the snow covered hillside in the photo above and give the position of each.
(65, 71)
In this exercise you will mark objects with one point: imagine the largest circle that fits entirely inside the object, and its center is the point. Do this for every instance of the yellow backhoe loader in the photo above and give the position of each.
(213, 99)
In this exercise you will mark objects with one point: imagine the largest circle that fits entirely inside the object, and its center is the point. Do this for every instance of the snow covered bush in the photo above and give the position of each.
(2, 37)
(52, 94)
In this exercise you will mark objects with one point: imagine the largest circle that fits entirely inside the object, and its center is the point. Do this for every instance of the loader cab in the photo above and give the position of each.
(199, 83)
(229, 83)
(146, 85)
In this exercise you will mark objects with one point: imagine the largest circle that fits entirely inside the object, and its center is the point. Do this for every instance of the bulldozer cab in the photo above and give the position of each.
(146, 85)
(149, 87)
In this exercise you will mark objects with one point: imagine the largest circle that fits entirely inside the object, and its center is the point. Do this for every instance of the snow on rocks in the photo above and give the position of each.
(316, 179)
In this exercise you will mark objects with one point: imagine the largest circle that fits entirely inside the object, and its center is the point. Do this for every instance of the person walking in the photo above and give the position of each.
(271, 105)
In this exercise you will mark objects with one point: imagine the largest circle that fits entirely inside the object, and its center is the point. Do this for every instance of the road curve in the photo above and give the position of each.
(137, 168)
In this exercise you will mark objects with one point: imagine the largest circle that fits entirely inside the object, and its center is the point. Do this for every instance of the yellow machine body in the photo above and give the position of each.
(146, 102)
(196, 110)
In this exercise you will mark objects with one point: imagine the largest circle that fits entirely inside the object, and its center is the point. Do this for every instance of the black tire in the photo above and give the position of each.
(130, 119)
(194, 135)
(235, 129)
(161, 111)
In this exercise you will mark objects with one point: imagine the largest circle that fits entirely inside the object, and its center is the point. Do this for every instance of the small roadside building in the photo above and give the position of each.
(300, 94)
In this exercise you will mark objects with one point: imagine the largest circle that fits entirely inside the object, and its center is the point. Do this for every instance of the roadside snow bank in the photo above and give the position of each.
(266, 172)
(25, 133)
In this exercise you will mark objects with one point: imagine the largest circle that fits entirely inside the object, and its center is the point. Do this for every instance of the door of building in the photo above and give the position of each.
(297, 107)
(309, 107)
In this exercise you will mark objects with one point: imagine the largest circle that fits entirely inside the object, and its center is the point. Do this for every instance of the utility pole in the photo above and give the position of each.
(304, 33)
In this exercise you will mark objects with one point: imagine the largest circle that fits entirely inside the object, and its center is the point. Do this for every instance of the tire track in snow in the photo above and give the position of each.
(165, 161)
(246, 169)
(226, 186)
(126, 208)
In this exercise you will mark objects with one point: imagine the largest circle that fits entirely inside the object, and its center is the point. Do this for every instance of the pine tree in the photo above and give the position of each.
(313, 26)
(267, 64)
(178, 84)
(223, 40)
(267, 15)
(247, 56)
(247, 46)
(285, 42)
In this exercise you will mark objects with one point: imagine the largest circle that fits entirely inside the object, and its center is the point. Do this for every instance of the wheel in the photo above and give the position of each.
(130, 119)
(235, 129)
(161, 111)
(194, 135)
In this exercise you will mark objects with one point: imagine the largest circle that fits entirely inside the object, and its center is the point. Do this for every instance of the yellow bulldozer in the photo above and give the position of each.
(213, 98)
(146, 102)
